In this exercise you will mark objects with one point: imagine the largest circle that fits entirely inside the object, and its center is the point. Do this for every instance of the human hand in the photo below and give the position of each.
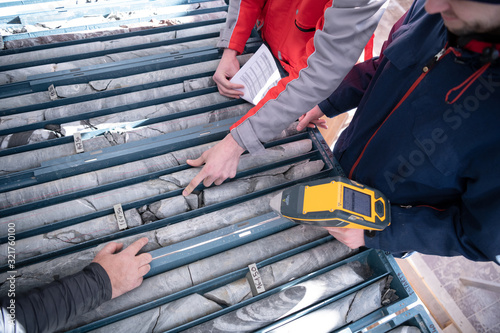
(353, 238)
(312, 119)
(125, 269)
(228, 66)
(221, 162)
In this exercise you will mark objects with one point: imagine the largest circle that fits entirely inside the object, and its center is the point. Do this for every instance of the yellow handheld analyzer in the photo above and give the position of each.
(334, 202)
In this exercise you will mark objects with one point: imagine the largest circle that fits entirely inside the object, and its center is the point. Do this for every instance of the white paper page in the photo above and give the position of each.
(258, 75)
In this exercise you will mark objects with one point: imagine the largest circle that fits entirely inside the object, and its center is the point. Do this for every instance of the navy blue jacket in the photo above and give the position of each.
(436, 162)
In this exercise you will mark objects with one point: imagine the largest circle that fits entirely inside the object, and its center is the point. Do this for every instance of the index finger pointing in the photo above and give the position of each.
(195, 182)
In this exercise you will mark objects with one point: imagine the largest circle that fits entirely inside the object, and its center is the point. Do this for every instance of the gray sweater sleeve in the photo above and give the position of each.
(348, 26)
(231, 19)
(50, 307)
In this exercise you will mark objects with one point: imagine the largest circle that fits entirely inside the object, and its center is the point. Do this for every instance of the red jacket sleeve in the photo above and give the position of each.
(338, 41)
(241, 18)
(293, 72)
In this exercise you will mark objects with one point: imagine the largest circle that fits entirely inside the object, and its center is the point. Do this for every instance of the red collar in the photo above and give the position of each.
(478, 46)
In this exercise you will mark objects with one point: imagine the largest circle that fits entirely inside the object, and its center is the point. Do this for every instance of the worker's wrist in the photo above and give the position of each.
(235, 145)
(229, 53)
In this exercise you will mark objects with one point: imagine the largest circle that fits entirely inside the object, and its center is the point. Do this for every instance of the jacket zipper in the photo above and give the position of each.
(445, 50)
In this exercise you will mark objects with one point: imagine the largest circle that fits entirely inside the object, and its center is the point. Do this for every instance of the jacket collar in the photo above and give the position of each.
(488, 46)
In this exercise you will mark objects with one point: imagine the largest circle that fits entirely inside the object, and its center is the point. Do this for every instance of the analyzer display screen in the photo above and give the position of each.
(357, 202)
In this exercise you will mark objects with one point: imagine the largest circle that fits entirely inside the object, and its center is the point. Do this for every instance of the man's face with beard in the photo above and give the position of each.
(463, 17)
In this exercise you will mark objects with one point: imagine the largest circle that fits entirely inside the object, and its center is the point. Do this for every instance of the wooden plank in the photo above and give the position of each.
(335, 126)
(440, 304)
(451, 329)
(440, 316)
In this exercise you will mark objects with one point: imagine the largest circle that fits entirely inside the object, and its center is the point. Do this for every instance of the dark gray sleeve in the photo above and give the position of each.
(50, 307)
(348, 25)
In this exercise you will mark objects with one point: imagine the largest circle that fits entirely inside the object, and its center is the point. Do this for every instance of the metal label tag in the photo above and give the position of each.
(120, 217)
(255, 280)
(52, 92)
(77, 138)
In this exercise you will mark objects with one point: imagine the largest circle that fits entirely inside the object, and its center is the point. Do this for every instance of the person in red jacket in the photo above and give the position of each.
(287, 27)
(316, 41)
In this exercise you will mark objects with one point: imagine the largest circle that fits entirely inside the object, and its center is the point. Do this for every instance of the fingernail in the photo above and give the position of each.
(184, 193)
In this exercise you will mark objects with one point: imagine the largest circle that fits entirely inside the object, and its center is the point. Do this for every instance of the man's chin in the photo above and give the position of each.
(458, 29)
(461, 30)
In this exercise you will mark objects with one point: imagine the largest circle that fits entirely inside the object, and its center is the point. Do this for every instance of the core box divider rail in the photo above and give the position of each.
(358, 257)
(24, 8)
(108, 111)
(74, 11)
(144, 32)
(115, 155)
(41, 82)
(134, 124)
(381, 265)
(74, 57)
(100, 94)
(202, 287)
(166, 221)
(109, 24)
(314, 154)
(198, 247)
(104, 38)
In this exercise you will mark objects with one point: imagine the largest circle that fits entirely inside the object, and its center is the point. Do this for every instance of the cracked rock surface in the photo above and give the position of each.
(171, 281)
(283, 271)
(260, 181)
(35, 275)
(21, 74)
(247, 254)
(341, 312)
(65, 237)
(264, 312)
(107, 199)
(165, 317)
(151, 204)
(118, 133)
(88, 106)
(114, 83)
(209, 222)
(194, 273)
